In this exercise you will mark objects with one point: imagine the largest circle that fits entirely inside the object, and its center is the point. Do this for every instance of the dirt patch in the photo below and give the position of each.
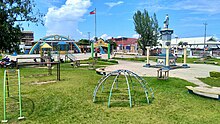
(43, 82)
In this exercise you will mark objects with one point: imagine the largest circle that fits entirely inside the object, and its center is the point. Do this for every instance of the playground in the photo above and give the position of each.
(70, 100)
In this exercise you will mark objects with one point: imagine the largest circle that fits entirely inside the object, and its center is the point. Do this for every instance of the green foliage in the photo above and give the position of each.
(148, 29)
(180, 43)
(108, 60)
(113, 44)
(214, 74)
(13, 11)
(141, 59)
(83, 42)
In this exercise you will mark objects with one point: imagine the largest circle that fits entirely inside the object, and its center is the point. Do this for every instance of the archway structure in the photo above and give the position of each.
(53, 40)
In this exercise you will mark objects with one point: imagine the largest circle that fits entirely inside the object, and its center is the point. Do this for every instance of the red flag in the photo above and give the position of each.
(92, 12)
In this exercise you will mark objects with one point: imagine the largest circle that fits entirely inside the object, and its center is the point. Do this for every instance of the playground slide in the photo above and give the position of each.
(36, 45)
(77, 47)
(101, 50)
(71, 57)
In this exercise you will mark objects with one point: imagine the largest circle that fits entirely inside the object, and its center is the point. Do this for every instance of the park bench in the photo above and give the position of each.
(206, 62)
(212, 92)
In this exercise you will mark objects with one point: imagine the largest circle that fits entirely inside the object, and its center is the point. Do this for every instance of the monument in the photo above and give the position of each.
(166, 59)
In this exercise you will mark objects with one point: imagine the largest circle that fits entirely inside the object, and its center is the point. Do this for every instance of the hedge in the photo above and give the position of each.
(214, 74)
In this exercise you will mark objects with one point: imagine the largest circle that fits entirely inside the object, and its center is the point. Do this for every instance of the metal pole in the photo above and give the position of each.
(109, 50)
(89, 36)
(92, 49)
(95, 22)
(205, 36)
(4, 95)
(19, 95)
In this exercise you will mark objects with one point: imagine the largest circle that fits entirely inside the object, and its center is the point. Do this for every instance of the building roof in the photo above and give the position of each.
(196, 40)
(125, 41)
(27, 32)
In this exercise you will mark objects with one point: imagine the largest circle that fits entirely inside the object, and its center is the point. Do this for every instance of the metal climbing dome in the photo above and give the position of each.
(122, 86)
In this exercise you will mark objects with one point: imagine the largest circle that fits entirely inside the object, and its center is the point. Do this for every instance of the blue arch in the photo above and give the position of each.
(56, 37)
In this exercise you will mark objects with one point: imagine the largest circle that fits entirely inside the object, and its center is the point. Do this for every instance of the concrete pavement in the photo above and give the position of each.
(189, 74)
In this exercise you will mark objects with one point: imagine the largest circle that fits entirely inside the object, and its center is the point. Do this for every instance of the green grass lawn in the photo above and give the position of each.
(141, 59)
(70, 101)
(212, 81)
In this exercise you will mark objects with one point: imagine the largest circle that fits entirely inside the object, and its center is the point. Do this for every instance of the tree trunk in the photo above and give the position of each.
(144, 51)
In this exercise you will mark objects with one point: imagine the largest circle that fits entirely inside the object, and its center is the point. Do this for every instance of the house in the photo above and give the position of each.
(126, 44)
(26, 41)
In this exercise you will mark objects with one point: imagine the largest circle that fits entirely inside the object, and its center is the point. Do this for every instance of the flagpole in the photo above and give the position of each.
(95, 22)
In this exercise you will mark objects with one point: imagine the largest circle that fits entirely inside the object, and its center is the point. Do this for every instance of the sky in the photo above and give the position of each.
(115, 17)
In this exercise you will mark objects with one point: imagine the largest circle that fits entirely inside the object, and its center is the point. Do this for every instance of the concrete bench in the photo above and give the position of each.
(212, 92)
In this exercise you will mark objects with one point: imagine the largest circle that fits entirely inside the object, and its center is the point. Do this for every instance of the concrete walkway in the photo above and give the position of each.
(189, 74)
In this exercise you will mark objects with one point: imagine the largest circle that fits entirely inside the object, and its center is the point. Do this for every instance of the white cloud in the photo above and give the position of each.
(105, 36)
(201, 6)
(195, 7)
(135, 36)
(112, 4)
(64, 20)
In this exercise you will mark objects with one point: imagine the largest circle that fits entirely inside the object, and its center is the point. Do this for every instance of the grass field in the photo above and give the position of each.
(212, 81)
(70, 101)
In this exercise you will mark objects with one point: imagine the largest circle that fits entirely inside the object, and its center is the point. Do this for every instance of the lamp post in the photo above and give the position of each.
(185, 54)
(89, 37)
(167, 64)
(205, 36)
(148, 54)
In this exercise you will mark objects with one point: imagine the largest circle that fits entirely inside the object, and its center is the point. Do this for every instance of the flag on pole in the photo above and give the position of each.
(92, 12)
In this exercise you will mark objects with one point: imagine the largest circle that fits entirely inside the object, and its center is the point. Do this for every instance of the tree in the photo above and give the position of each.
(148, 29)
(12, 13)
(83, 42)
(112, 43)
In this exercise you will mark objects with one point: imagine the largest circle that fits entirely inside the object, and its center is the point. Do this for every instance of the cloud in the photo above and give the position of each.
(105, 36)
(112, 4)
(135, 36)
(198, 7)
(195, 7)
(64, 20)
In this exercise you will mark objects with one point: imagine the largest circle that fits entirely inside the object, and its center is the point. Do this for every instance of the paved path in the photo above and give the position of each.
(189, 74)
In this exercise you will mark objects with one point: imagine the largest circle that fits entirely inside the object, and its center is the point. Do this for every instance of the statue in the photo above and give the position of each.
(166, 21)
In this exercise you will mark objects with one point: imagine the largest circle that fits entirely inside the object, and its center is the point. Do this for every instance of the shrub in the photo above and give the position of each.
(214, 74)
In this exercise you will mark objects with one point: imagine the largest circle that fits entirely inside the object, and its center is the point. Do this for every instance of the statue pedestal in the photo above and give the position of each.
(161, 60)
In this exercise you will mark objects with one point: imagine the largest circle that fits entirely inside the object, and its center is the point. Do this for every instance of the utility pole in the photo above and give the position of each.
(89, 37)
(205, 36)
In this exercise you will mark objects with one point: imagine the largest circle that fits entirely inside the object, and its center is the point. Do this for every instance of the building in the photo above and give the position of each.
(197, 46)
(26, 41)
(126, 44)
